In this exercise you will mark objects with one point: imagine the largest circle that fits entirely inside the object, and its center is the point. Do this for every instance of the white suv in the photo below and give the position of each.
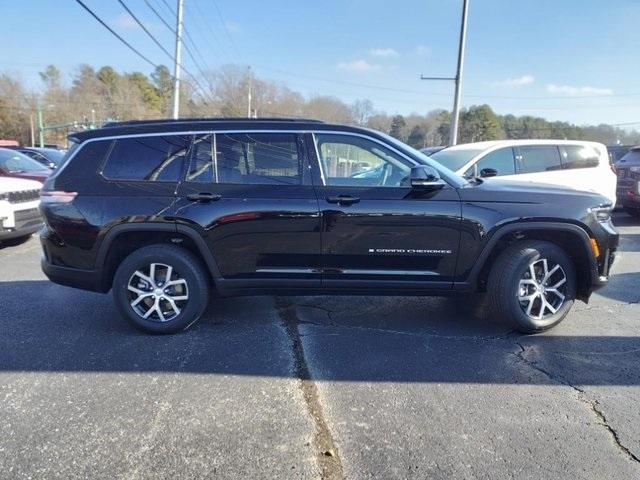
(19, 213)
(573, 164)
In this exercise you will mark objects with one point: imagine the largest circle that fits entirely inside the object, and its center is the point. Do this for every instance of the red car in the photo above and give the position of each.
(16, 164)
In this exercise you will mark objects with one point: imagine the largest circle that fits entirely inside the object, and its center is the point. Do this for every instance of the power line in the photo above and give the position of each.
(113, 32)
(226, 28)
(157, 42)
(199, 16)
(186, 46)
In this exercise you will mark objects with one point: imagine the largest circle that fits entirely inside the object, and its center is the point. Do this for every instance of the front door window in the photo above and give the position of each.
(359, 162)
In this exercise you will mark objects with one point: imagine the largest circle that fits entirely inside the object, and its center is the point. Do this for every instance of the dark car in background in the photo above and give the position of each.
(431, 150)
(616, 152)
(16, 164)
(628, 190)
(48, 157)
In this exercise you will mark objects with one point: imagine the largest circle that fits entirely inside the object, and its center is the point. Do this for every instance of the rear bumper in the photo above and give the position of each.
(73, 277)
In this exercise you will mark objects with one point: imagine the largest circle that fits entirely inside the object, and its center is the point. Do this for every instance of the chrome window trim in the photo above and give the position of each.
(313, 132)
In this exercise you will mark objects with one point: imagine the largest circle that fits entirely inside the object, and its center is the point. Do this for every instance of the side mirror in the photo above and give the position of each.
(424, 177)
(488, 172)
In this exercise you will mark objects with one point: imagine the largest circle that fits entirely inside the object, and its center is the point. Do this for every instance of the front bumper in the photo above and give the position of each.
(607, 238)
(21, 223)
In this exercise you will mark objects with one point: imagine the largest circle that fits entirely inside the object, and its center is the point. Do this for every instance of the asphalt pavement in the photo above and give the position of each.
(317, 387)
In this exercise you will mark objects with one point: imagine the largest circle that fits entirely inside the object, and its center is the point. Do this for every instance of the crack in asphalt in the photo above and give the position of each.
(332, 323)
(593, 405)
(327, 456)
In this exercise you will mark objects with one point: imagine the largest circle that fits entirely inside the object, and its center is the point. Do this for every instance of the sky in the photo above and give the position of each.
(572, 60)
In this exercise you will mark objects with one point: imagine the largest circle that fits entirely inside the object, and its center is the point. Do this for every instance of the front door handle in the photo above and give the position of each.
(204, 197)
(343, 199)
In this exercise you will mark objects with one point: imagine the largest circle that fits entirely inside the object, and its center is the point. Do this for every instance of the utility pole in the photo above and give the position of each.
(455, 116)
(33, 130)
(40, 127)
(249, 93)
(176, 64)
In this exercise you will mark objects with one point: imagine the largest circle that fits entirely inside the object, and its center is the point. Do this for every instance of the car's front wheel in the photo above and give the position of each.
(161, 288)
(532, 285)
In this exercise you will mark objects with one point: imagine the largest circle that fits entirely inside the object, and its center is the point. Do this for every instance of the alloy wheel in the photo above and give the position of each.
(542, 289)
(157, 292)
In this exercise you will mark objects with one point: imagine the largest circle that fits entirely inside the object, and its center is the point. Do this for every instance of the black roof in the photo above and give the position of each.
(198, 124)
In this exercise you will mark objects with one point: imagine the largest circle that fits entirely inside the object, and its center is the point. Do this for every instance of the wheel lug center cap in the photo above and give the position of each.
(158, 292)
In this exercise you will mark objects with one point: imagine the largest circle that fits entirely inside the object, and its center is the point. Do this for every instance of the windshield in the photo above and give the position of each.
(16, 162)
(455, 159)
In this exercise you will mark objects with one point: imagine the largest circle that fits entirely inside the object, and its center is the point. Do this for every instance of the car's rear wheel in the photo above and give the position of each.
(532, 286)
(161, 288)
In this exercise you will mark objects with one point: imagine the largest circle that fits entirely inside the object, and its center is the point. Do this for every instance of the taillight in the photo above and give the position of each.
(48, 196)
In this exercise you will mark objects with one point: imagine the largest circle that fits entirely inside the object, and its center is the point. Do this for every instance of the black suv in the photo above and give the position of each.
(166, 212)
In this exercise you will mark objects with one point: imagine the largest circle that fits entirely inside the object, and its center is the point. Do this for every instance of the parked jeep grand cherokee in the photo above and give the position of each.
(164, 213)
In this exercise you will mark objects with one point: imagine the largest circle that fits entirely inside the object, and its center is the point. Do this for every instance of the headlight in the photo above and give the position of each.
(602, 213)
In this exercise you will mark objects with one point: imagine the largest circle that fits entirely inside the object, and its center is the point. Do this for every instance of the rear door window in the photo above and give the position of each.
(538, 158)
(246, 158)
(501, 160)
(150, 158)
(579, 156)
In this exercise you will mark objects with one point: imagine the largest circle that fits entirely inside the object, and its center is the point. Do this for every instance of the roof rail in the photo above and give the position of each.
(208, 119)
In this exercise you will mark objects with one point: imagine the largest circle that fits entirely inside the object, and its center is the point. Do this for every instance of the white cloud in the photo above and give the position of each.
(516, 81)
(358, 66)
(384, 52)
(574, 91)
(423, 50)
(233, 26)
(124, 20)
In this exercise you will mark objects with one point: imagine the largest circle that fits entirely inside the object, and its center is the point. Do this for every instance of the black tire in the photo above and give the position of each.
(14, 242)
(185, 265)
(503, 285)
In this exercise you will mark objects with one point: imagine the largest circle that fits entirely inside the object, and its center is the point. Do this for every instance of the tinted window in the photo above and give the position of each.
(257, 158)
(579, 156)
(357, 161)
(501, 160)
(154, 159)
(539, 158)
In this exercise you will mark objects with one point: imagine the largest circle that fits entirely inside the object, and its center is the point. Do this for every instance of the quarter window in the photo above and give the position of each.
(153, 159)
(538, 158)
(357, 161)
(256, 158)
(579, 156)
(502, 161)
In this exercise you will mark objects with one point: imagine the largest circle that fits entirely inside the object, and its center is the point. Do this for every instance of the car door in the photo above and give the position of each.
(539, 163)
(499, 163)
(250, 195)
(376, 231)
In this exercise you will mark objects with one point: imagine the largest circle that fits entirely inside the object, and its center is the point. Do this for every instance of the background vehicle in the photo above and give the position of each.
(48, 157)
(431, 150)
(16, 164)
(19, 214)
(616, 152)
(571, 164)
(628, 169)
(160, 211)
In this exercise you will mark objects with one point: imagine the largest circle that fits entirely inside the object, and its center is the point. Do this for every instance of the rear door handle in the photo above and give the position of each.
(204, 197)
(343, 199)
